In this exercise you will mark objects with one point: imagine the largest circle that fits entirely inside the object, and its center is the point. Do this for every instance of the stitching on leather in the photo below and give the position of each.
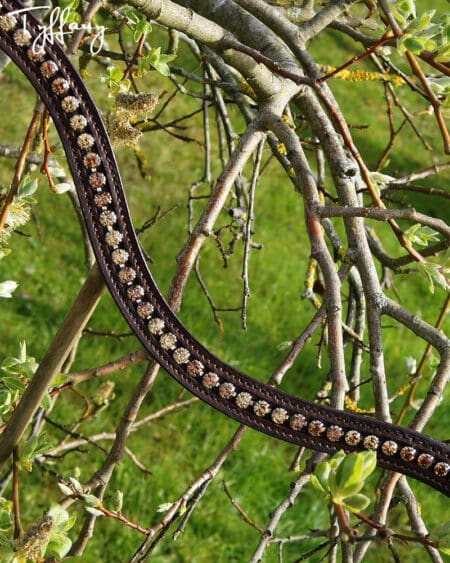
(259, 390)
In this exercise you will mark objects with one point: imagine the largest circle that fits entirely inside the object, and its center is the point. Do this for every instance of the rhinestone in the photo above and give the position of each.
(113, 238)
(49, 69)
(60, 86)
(334, 433)
(8, 22)
(156, 326)
(442, 469)
(210, 380)
(261, 408)
(168, 341)
(227, 390)
(36, 56)
(297, 422)
(353, 437)
(127, 275)
(119, 256)
(85, 141)
(425, 460)
(244, 400)
(145, 309)
(407, 453)
(316, 427)
(22, 37)
(102, 199)
(371, 442)
(70, 104)
(78, 123)
(279, 415)
(97, 180)
(389, 448)
(92, 159)
(181, 356)
(135, 292)
(108, 218)
(195, 368)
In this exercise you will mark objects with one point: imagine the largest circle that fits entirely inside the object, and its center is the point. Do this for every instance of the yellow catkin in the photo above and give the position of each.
(282, 149)
(122, 132)
(365, 76)
(32, 543)
(135, 104)
(288, 120)
(350, 405)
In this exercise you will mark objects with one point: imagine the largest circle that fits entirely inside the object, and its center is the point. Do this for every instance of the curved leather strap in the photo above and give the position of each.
(130, 282)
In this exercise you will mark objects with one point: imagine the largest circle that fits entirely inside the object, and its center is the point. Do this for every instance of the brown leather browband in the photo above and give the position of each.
(131, 284)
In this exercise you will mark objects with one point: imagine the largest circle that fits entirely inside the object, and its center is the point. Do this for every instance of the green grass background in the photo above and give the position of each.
(50, 270)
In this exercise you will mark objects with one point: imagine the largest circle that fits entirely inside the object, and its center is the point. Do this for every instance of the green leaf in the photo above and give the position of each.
(404, 10)
(316, 484)
(381, 180)
(369, 463)
(66, 526)
(350, 474)
(435, 32)
(27, 187)
(35, 446)
(443, 53)
(415, 44)
(421, 235)
(440, 85)
(112, 77)
(59, 514)
(337, 459)
(60, 379)
(422, 22)
(47, 402)
(435, 274)
(14, 384)
(129, 13)
(322, 474)
(356, 503)
(159, 61)
(58, 546)
(5, 520)
(350, 471)
(142, 28)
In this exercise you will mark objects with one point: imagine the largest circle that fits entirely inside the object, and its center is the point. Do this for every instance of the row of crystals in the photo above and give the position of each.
(168, 341)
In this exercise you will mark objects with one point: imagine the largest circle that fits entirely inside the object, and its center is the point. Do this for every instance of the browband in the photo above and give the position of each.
(131, 284)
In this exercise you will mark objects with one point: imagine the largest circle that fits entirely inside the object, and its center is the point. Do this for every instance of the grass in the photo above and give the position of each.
(50, 271)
